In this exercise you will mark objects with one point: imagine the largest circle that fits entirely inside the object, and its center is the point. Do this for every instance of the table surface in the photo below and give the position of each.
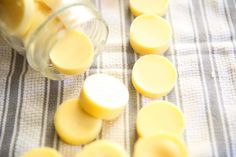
(203, 51)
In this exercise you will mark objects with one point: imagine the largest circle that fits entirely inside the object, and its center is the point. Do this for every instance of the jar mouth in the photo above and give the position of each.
(47, 35)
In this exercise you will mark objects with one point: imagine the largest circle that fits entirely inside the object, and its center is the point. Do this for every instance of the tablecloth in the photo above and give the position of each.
(203, 50)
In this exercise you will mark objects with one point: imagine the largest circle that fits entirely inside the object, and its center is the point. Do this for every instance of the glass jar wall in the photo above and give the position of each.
(59, 38)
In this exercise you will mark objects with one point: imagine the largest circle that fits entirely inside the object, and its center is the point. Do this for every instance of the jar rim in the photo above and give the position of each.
(30, 47)
(55, 13)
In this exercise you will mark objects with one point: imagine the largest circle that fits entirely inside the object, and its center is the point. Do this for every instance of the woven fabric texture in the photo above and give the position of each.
(203, 50)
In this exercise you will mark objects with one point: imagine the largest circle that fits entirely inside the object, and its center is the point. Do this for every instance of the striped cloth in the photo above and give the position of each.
(203, 51)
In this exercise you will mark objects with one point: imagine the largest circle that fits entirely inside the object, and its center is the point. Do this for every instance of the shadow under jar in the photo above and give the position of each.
(43, 24)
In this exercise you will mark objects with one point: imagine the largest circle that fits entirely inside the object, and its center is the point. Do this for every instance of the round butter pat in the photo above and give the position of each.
(42, 152)
(73, 53)
(160, 117)
(102, 148)
(73, 125)
(139, 7)
(150, 34)
(103, 96)
(153, 76)
(162, 145)
(16, 15)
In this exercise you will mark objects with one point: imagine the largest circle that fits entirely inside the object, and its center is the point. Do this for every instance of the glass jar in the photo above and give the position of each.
(65, 15)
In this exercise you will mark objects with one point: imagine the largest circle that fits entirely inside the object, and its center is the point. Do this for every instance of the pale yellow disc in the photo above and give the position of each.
(104, 96)
(73, 53)
(149, 34)
(73, 125)
(16, 15)
(153, 76)
(162, 145)
(160, 117)
(102, 148)
(158, 7)
(42, 152)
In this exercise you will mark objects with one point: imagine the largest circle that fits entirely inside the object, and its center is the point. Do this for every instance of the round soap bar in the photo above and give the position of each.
(103, 96)
(16, 15)
(73, 53)
(150, 34)
(102, 148)
(139, 7)
(42, 152)
(162, 145)
(160, 117)
(73, 125)
(153, 76)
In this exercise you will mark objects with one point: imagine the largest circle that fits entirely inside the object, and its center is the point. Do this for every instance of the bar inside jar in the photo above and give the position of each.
(16, 16)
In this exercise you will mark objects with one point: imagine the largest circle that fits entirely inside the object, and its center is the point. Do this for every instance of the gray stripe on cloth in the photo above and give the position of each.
(123, 66)
(201, 69)
(52, 105)
(7, 89)
(200, 96)
(232, 15)
(45, 102)
(225, 127)
(12, 106)
(60, 101)
(203, 78)
(232, 26)
(138, 95)
(172, 94)
(130, 60)
(6, 98)
(230, 9)
(217, 84)
(18, 118)
(214, 104)
(231, 18)
(171, 55)
(223, 110)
